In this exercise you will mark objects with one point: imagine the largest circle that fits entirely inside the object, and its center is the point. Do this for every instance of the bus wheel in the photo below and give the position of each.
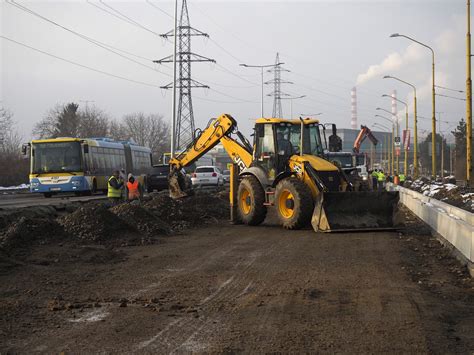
(48, 194)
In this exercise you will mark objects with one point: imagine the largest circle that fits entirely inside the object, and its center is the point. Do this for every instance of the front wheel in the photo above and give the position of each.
(294, 203)
(251, 199)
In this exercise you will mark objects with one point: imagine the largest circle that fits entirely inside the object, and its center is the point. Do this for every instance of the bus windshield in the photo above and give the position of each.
(56, 157)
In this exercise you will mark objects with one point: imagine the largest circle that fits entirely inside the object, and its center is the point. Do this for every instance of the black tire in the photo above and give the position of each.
(48, 194)
(250, 201)
(294, 203)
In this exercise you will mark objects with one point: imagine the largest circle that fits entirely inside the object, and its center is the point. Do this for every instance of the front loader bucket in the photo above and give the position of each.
(354, 211)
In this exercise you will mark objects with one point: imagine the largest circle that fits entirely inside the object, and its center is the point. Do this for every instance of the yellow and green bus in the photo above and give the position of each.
(83, 166)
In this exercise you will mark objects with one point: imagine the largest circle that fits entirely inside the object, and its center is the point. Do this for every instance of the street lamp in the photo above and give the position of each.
(405, 163)
(385, 118)
(261, 69)
(291, 102)
(310, 114)
(433, 100)
(393, 138)
(415, 124)
(385, 143)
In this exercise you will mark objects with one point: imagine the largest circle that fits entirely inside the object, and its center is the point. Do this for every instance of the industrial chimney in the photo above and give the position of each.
(354, 108)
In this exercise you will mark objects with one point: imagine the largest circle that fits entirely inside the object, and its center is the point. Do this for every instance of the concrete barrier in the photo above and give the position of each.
(453, 224)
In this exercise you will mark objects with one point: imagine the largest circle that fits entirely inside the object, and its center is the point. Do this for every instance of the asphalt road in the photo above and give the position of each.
(25, 199)
(245, 289)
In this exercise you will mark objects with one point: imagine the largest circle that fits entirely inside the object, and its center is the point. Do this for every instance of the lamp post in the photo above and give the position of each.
(392, 166)
(173, 106)
(433, 100)
(261, 71)
(386, 144)
(468, 99)
(291, 102)
(415, 124)
(405, 163)
(310, 114)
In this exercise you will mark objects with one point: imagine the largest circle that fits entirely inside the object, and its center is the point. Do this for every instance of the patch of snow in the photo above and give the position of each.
(19, 187)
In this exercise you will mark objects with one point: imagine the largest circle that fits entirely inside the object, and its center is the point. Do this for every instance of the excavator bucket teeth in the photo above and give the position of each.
(355, 211)
(174, 186)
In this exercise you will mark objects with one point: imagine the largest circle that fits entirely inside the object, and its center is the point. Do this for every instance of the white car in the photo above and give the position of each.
(207, 176)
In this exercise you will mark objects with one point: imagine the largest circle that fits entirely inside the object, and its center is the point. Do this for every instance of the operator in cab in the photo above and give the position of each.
(284, 150)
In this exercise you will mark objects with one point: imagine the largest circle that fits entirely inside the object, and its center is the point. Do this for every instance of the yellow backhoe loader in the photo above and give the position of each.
(285, 168)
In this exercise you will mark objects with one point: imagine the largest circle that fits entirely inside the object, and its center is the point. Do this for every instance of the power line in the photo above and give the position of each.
(78, 64)
(128, 18)
(103, 45)
(159, 9)
(121, 17)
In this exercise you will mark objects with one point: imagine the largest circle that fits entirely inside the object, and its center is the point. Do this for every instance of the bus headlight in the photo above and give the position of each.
(34, 184)
(76, 182)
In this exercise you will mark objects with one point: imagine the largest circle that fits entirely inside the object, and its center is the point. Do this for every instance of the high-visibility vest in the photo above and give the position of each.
(111, 191)
(375, 174)
(133, 191)
(381, 177)
(402, 177)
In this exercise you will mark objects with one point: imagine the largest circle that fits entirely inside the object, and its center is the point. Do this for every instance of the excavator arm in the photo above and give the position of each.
(364, 133)
(218, 130)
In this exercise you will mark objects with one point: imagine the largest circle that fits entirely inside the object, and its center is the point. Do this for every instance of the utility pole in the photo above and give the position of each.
(261, 73)
(276, 81)
(468, 100)
(87, 104)
(184, 129)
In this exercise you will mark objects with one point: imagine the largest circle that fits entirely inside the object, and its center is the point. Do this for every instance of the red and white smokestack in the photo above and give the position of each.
(354, 108)
(395, 112)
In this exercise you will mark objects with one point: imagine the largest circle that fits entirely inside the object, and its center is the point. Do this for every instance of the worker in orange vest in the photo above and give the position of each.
(133, 187)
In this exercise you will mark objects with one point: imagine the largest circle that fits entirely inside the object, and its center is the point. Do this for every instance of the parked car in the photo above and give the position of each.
(207, 176)
(158, 178)
(226, 176)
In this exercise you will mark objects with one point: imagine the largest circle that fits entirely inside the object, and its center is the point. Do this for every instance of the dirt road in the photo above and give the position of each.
(242, 289)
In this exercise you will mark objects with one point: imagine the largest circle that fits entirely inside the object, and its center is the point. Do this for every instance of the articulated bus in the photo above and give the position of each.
(83, 166)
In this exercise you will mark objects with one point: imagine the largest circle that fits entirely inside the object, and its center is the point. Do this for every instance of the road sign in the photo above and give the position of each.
(397, 150)
(406, 139)
(397, 141)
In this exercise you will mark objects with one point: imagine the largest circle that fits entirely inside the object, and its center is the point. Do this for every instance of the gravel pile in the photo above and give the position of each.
(26, 232)
(189, 211)
(95, 223)
(141, 219)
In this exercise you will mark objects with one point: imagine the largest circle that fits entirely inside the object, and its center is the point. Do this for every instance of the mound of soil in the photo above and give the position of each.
(26, 232)
(95, 223)
(189, 211)
(141, 218)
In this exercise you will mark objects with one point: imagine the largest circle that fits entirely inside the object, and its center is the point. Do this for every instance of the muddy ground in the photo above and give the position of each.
(213, 287)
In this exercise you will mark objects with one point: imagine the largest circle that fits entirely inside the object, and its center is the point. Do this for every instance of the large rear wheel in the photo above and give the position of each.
(294, 203)
(250, 199)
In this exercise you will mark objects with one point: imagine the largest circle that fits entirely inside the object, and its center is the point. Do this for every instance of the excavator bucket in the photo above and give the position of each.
(355, 211)
(174, 184)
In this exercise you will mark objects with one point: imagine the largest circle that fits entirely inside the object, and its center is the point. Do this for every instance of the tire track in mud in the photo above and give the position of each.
(182, 333)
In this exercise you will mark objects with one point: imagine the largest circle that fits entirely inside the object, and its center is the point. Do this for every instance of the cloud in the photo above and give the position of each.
(391, 63)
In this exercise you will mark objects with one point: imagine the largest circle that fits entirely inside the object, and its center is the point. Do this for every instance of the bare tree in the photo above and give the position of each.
(10, 155)
(93, 122)
(146, 130)
(68, 121)
(10, 139)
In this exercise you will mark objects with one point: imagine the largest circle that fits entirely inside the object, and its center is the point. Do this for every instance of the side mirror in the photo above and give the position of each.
(24, 148)
(86, 148)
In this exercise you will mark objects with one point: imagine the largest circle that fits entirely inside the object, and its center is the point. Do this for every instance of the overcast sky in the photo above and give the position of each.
(328, 46)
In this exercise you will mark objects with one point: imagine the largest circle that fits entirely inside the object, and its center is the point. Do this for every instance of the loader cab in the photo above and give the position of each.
(276, 140)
